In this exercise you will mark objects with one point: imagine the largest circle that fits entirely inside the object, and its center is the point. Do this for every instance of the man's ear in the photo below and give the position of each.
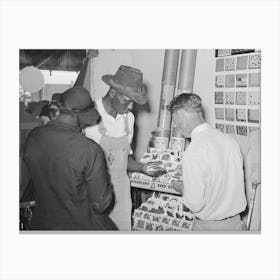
(181, 114)
(112, 94)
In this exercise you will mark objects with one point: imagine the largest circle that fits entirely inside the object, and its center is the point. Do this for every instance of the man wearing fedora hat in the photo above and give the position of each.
(115, 132)
(72, 188)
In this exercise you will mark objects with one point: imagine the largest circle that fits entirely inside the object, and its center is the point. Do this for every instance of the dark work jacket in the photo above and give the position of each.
(72, 187)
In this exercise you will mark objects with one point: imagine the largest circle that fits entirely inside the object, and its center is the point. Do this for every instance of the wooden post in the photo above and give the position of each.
(85, 77)
(92, 54)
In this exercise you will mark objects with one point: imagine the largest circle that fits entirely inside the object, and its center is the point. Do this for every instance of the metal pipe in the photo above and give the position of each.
(169, 76)
(187, 71)
(185, 84)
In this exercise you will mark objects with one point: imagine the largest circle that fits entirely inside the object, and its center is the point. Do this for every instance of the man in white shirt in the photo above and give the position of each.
(213, 179)
(114, 134)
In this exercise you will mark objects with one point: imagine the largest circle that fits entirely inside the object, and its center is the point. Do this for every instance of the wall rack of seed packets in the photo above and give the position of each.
(237, 90)
(164, 211)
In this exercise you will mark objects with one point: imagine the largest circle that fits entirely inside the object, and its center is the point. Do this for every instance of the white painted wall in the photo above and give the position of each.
(59, 77)
(57, 82)
(204, 82)
(151, 64)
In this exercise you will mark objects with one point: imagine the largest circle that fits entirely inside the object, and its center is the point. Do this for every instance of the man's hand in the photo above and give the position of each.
(152, 172)
(177, 185)
(92, 53)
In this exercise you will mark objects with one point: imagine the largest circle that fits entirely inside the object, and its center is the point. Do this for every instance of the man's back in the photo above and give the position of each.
(70, 178)
(213, 166)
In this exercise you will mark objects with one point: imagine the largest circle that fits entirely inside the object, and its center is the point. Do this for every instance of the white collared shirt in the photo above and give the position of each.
(213, 175)
(115, 127)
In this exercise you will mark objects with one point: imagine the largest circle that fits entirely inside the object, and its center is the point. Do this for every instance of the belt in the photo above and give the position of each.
(217, 220)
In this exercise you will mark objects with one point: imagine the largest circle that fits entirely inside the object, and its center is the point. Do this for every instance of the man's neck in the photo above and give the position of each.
(108, 106)
(197, 128)
(65, 118)
(196, 121)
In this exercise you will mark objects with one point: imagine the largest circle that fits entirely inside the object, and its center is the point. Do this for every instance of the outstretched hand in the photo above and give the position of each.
(153, 172)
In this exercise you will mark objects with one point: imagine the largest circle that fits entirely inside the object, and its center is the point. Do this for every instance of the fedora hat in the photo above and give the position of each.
(129, 82)
(78, 100)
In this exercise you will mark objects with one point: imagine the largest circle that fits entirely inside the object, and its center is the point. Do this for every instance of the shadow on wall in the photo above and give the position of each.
(138, 109)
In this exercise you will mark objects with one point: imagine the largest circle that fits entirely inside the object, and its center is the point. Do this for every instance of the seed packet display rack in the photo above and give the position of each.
(164, 210)
(237, 91)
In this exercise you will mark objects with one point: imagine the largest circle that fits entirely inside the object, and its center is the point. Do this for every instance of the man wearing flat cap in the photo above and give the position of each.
(68, 170)
(114, 134)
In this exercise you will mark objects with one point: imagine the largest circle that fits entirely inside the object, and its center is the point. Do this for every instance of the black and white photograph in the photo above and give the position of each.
(90, 162)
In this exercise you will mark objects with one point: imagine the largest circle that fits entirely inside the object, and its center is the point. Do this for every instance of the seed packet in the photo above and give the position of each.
(241, 98)
(229, 114)
(138, 213)
(147, 216)
(169, 228)
(230, 81)
(166, 220)
(159, 227)
(176, 222)
(220, 126)
(241, 80)
(242, 62)
(230, 63)
(220, 65)
(139, 223)
(185, 225)
(241, 130)
(255, 61)
(230, 129)
(254, 79)
(149, 226)
(156, 218)
(220, 81)
(229, 97)
(188, 217)
(219, 97)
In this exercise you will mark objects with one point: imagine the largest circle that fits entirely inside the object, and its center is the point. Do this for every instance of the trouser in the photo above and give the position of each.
(228, 224)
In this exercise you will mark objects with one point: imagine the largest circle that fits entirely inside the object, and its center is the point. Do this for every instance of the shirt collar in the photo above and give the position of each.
(199, 128)
(103, 112)
(60, 123)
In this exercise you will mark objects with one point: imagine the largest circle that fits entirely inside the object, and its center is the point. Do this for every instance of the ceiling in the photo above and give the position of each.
(52, 59)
